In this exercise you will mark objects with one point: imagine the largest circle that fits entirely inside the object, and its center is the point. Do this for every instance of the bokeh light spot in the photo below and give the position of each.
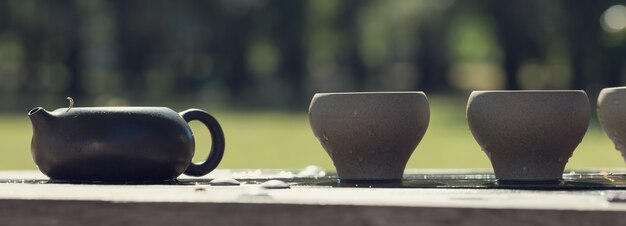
(614, 19)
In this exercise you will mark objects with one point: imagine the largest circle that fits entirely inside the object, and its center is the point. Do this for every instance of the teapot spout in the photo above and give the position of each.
(39, 116)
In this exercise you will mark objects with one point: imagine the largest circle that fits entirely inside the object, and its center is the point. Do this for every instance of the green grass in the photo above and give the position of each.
(284, 140)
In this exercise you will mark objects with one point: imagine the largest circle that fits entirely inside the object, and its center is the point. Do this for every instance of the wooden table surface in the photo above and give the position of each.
(249, 204)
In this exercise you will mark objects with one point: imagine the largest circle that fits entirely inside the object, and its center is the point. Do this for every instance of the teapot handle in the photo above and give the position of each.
(217, 140)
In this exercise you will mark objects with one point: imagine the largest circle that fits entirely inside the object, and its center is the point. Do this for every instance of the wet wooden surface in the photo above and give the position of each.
(26, 199)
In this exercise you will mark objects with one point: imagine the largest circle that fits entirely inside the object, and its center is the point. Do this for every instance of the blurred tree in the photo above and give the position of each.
(289, 36)
(29, 28)
(524, 29)
(4, 16)
(232, 23)
(593, 60)
(273, 52)
(73, 46)
(348, 22)
(433, 56)
(140, 38)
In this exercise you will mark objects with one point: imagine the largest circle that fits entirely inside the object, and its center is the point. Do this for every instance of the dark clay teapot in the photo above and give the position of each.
(120, 144)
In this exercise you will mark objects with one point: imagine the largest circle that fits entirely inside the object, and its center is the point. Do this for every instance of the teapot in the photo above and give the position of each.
(120, 144)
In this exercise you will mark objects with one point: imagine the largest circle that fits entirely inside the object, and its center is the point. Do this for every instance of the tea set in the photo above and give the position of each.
(528, 135)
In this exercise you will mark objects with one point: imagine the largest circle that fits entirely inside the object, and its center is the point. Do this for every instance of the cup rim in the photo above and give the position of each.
(370, 93)
(528, 91)
(617, 88)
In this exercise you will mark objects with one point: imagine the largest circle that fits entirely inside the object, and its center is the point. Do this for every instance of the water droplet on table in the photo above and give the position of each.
(572, 172)
(224, 181)
(274, 184)
(312, 171)
(255, 194)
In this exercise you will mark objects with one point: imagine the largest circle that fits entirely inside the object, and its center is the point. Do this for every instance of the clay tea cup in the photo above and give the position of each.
(612, 115)
(369, 135)
(528, 135)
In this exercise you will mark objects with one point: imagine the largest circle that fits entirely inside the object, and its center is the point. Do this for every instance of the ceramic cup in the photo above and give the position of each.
(612, 115)
(528, 135)
(369, 135)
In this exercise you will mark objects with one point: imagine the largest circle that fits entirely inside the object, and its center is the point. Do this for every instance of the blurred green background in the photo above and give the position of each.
(255, 64)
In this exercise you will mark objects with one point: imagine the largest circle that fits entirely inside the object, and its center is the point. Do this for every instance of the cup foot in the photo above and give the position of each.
(528, 182)
(369, 181)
